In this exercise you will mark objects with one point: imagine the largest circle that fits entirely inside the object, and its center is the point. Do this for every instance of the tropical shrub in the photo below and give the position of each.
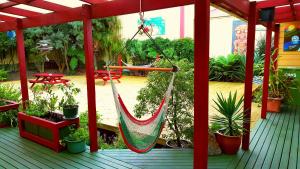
(180, 113)
(230, 68)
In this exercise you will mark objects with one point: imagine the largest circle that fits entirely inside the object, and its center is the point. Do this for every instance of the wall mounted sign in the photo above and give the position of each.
(292, 37)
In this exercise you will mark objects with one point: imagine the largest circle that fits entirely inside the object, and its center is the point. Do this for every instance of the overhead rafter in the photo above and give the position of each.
(7, 18)
(21, 12)
(274, 3)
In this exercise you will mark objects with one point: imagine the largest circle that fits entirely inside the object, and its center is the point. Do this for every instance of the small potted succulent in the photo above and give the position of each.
(76, 140)
(68, 103)
(228, 126)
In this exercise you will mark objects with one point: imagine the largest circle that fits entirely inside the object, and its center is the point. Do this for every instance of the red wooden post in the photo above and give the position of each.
(266, 71)
(22, 61)
(201, 97)
(182, 21)
(89, 66)
(276, 44)
(249, 73)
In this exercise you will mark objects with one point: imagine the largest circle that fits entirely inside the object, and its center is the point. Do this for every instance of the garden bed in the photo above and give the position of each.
(6, 105)
(47, 130)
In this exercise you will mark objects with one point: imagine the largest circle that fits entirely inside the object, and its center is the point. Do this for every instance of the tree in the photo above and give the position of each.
(180, 113)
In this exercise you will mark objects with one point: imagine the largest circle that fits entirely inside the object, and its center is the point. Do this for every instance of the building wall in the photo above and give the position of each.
(287, 59)
(221, 25)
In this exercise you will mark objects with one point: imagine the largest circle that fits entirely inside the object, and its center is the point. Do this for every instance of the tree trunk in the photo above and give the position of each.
(66, 58)
(178, 139)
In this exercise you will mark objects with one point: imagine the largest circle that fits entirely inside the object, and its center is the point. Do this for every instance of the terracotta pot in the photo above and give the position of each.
(229, 144)
(274, 104)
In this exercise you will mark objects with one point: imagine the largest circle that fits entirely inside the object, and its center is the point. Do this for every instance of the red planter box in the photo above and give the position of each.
(9, 106)
(44, 132)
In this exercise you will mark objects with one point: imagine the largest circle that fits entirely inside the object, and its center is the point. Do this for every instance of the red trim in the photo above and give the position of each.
(7, 18)
(9, 106)
(131, 147)
(90, 80)
(249, 73)
(141, 122)
(274, 3)
(266, 71)
(201, 82)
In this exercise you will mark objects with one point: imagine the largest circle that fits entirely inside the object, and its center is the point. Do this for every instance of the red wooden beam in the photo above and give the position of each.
(249, 73)
(274, 3)
(89, 67)
(266, 71)
(21, 12)
(7, 4)
(201, 86)
(48, 5)
(7, 18)
(94, 1)
(237, 7)
(22, 61)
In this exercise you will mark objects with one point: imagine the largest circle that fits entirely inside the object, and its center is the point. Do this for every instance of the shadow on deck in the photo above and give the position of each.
(274, 144)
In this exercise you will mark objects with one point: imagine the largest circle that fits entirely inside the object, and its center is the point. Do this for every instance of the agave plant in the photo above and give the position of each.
(230, 120)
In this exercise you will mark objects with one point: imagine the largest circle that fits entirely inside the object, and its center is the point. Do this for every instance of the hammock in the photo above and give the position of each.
(141, 135)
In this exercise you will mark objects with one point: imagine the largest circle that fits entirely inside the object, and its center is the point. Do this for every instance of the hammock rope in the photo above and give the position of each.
(141, 135)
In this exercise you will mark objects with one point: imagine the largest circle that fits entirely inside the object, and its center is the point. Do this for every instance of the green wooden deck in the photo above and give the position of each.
(274, 144)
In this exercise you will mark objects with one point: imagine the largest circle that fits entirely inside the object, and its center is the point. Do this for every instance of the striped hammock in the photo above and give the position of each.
(140, 136)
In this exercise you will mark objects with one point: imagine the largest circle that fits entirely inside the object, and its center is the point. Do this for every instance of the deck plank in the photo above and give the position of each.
(65, 159)
(243, 156)
(270, 153)
(285, 155)
(267, 143)
(280, 144)
(295, 140)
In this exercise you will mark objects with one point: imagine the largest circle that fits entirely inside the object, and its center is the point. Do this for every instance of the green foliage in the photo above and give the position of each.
(9, 92)
(3, 75)
(9, 117)
(79, 134)
(38, 106)
(184, 48)
(257, 95)
(7, 51)
(44, 101)
(118, 143)
(70, 91)
(145, 52)
(230, 68)
(84, 118)
(230, 120)
(180, 111)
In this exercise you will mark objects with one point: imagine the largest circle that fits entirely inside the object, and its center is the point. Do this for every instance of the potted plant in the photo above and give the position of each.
(76, 140)
(228, 125)
(68, 102)
(279, 89)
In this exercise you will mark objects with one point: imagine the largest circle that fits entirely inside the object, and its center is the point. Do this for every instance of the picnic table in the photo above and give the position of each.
(48, 78)
(103, 74)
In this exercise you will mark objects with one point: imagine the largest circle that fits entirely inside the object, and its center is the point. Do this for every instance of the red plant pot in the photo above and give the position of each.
(274, 104)
(228, 144)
